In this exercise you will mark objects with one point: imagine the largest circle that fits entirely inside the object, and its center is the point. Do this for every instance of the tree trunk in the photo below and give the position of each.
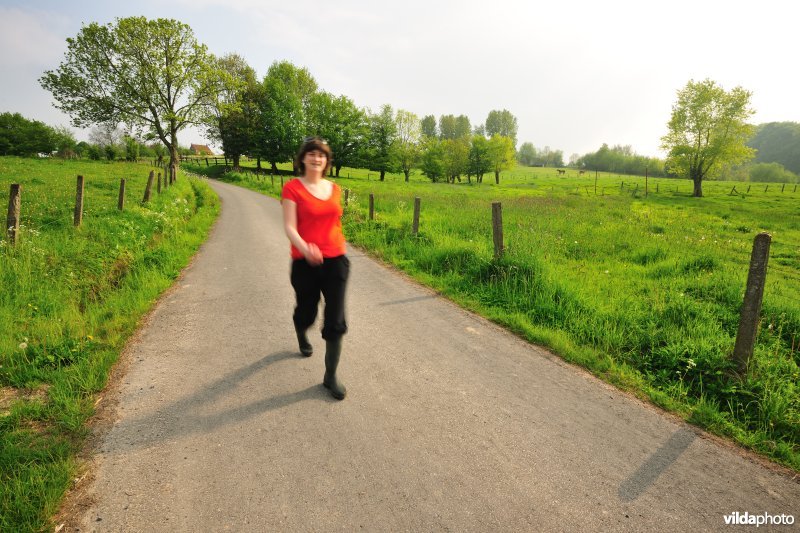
(173, 148)
(274, 168)
(258, 163)
(406, 172)
(236, 162)
(497, 177)
(698, 187)
(338, 168)
(383, 174)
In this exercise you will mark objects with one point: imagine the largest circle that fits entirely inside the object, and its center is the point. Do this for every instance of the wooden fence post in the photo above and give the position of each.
(751, 307)
(12, 220)
(148, 187)
(748, 188)
(121, 199)
(497, 229)
(371, 206)
(346, 196)
(415, 225)
(158, 188)
(78, 218)
(281, 181)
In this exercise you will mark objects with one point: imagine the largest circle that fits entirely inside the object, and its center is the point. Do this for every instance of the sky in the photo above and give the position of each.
(575, 73)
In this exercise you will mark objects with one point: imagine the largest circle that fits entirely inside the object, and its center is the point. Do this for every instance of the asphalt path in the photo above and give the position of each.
(450, 423)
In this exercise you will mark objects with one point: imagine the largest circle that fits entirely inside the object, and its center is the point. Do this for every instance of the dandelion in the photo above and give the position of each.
(23, 346)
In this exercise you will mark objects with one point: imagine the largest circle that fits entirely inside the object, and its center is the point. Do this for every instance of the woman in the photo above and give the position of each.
(312, 219)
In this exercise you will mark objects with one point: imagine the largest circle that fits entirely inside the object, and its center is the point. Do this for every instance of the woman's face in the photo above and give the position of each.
(315, 160)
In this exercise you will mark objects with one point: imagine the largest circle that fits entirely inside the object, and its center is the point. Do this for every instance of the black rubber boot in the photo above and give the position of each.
(333, 351)
(305, 346)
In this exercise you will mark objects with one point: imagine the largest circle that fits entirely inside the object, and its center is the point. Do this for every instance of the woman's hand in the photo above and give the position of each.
(313, 255)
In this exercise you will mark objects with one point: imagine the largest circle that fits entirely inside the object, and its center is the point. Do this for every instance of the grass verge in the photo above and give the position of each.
(76, 295)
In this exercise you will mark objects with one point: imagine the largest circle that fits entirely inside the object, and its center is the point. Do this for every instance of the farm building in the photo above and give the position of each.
(201, 149)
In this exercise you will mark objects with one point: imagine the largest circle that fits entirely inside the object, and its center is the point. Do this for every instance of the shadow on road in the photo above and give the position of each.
(200, 412)
(408, 300)
(663, 458)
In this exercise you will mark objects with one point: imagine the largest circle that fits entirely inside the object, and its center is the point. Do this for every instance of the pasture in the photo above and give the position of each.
(644, 291)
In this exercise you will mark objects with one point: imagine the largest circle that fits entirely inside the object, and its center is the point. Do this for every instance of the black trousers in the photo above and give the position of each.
(328, 279)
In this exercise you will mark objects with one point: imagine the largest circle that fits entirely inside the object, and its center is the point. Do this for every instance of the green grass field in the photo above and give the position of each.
(644, 291)
(70, 299)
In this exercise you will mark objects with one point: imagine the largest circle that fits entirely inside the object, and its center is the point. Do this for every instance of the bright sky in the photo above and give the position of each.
(575, 73)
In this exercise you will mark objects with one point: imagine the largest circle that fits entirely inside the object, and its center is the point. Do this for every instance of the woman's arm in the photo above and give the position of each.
(309, 250)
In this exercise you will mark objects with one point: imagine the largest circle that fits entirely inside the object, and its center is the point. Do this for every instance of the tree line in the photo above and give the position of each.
(155, 77)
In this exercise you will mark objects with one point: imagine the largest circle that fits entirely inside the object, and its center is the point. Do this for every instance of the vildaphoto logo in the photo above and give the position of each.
(764, 519)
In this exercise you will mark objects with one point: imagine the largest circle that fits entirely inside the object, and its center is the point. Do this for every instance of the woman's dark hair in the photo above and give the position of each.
(309, 145)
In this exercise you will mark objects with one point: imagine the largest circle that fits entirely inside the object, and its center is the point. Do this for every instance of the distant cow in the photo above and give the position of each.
(561, 171)
(581, 172)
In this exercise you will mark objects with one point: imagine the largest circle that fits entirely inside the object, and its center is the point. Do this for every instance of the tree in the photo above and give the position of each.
(407, 141)
(501, 154)
(527, 154)
(447, 127)
(707, 131)
(23, 137)
(282, 127)
(340, 123)
(479, 160)
(131, 148)
(382, 133)
(463, 127)
(432, 160)
(107, 134)
(151, 74)
(778, 142)
(502, 123)
(428, 126)
(456, 158)
(234, 122)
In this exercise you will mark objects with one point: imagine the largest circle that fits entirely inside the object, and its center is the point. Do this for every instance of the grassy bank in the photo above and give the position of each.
(71, 297)
(644, 291)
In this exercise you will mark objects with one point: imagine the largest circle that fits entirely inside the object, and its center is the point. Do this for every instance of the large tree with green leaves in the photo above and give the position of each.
(380, 144)
(428, 126)
(343, 125)
(150, 74)
(407, 141)
(287, 93)
(501, 155)
(23, 137)
(708, 130)
(235, 120)
(456, 158)
(479, 158)
(432, 159)
(502, 122)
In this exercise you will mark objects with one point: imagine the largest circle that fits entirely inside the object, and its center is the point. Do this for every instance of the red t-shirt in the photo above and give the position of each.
(318, 221)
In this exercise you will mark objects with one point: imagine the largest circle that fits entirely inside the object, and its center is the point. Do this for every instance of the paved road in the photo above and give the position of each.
(450, 423)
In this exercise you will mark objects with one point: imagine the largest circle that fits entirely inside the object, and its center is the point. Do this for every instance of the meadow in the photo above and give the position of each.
(643, 290)
(71, 298)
